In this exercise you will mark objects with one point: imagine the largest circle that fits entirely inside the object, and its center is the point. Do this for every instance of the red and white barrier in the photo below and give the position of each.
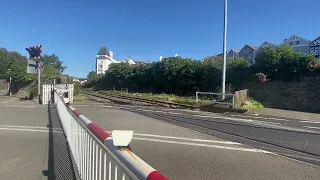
(140, 168)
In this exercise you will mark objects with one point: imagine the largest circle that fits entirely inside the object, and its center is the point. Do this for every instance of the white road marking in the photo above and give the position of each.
(148, 110)
(312, 122)
(20, 106)
(205, 145)
(237, 119)
(31, 130)
(182, 138)
(29, 127)
(279, 119)
(203, 116)
(105, 106)
(270, 122)
(174, 113)
(163, 141)
(312, 127)
(160, 112)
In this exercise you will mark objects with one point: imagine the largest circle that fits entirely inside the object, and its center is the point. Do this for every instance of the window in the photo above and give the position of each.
(297, 42)
(291, 43)
(250, 56)
(297, 50)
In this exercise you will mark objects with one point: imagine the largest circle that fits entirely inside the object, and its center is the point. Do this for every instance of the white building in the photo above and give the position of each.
(104, 59)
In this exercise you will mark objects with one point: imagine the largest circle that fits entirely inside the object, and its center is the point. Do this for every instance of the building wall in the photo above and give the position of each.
(298, 44)
(248, 54)
(302, 49)
(232, 54)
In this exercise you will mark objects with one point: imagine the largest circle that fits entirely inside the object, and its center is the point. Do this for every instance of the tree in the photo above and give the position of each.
(12, 64)
(54, 61)
(93, 76)
(50, 72)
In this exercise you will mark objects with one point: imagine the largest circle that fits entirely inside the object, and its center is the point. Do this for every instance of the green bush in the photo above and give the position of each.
(76, 90)
(251, 104)
(33, 93)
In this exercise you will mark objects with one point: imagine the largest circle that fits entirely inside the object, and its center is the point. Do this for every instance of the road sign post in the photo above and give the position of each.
(34, 67)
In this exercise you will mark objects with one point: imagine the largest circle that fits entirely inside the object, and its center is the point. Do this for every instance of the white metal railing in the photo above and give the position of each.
(214, 101)
(92, 159)
(63, 88)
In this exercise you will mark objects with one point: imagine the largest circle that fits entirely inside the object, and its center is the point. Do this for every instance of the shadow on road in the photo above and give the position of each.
(60, 165)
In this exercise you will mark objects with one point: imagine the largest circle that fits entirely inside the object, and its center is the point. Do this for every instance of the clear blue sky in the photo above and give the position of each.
(145, 29)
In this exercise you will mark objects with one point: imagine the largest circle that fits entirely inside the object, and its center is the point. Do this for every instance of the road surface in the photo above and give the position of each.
(181, 153)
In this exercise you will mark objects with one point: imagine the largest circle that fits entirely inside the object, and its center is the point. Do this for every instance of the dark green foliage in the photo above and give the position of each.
(176, 75)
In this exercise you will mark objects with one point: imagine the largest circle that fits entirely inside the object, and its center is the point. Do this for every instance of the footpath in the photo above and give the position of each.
(285, 113)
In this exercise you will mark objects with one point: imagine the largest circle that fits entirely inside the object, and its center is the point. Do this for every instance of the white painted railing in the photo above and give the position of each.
(92, 159)
(215, 101)
(47, 89)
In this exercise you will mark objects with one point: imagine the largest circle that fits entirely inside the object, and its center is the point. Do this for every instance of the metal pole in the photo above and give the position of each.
(224, 49)
(10, 89)
(39, 85)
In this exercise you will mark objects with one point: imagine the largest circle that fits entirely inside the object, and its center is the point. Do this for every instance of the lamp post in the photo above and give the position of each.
(224, 49)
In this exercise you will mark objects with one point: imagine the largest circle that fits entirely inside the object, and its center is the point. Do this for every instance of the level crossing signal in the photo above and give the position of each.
(35, 52)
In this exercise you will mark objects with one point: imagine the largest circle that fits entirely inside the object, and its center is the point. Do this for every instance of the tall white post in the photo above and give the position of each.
(224, 49)
(39, 85)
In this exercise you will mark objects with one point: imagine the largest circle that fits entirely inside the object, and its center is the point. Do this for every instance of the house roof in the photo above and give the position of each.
(103, 51)
(235, 50)
(285, 40)
(315, 42)
(271, 43)
(252, 47)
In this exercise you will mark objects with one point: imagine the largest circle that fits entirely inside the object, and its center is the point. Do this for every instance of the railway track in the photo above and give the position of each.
(134, 100)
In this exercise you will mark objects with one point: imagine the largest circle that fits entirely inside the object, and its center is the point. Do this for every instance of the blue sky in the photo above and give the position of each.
(145, 29)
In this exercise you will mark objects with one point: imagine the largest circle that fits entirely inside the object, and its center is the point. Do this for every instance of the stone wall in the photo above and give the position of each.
(298, 96)
(3, 87)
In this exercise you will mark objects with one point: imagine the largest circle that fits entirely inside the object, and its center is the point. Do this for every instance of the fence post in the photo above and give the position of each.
(197, 97)
(233, 101)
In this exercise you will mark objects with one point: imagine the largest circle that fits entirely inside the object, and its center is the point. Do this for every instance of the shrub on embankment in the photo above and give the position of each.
(275, 69)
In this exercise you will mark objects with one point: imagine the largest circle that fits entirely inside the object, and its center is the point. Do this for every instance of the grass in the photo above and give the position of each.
(79, 99)
(251, 104)
(189, 100)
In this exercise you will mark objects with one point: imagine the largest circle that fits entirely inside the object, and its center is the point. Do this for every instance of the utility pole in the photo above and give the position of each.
(224, 49)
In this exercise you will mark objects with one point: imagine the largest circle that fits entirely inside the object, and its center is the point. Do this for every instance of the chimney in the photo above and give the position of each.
(111, 54)
(161, 58)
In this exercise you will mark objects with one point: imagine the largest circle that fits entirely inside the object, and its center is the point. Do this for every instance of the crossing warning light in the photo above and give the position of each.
(35, 52)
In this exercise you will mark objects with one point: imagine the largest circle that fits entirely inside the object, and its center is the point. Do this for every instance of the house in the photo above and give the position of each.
(134, 63)
(79, 80)
(233, 53)
(299, 44)
(315, 47)
(103, 59)
(268, 44)
(248, 53)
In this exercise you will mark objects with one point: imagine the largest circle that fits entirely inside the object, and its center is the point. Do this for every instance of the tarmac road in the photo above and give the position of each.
(181, 153)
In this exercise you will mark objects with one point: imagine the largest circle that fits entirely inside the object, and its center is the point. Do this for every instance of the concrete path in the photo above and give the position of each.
(32, 145)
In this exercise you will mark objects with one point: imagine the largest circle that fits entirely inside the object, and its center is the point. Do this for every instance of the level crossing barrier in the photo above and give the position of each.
(96, 154)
